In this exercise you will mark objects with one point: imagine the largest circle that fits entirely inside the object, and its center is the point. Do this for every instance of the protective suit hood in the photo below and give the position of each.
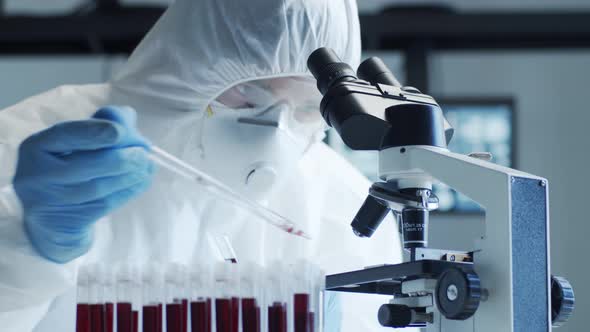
(198, 49)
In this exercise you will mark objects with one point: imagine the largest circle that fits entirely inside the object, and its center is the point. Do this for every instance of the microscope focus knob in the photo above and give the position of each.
(394, 315)
(562, 301)
(458, 293)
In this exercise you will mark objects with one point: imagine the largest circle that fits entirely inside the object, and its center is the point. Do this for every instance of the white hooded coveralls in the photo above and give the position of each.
(197, 50)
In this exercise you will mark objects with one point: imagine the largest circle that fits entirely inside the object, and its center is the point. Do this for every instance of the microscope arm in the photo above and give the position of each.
(512, 256)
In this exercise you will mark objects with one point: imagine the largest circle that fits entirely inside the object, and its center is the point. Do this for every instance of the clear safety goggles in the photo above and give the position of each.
(300, 94)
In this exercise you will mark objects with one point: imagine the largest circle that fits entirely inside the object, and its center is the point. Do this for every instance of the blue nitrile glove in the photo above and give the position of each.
(332, 312)
(74, 173)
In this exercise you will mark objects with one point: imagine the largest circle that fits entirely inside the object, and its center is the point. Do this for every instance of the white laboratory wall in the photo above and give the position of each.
(22, 77)
(553, 113)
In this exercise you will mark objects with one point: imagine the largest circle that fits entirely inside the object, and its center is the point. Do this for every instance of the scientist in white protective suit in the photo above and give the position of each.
(223, 85)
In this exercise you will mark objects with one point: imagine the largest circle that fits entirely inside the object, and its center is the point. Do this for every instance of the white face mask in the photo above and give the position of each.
(253, 149)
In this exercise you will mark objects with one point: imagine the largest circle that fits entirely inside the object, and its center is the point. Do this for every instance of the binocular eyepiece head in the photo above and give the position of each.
(328, 69)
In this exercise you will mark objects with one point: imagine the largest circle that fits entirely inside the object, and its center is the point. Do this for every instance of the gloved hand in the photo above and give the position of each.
(74, 173)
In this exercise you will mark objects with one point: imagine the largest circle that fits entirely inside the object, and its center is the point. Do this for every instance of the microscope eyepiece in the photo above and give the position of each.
(374, 71)
(328, 69)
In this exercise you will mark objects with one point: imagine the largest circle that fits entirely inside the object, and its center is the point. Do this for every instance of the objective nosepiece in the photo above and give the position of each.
(328, 69)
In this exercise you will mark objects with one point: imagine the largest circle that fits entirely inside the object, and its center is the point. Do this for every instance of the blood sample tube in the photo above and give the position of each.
(127, 294)
(82, 299)
(96, 298)
(185, 317)
(277, 317)
(124, 315)
(201, 283)
(184, 298)
(250, 289)
(276, 298)
(174, 293)
(174, 317)
(201, 315)
(301, 312)
(135, 320)
(109, 299)
(250, 315)
(227, 300)
(308, 285)
(152, 295)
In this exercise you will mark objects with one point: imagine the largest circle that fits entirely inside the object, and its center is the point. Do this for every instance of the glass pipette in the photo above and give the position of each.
(179, 167)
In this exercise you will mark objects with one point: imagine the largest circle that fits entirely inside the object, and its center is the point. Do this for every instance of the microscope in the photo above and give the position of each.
(505, 283)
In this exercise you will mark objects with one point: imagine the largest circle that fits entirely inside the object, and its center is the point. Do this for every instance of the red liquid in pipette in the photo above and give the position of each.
(82, 317)
(301, 312)
(223, 315)
(109, 317)
(97, 317)
(150, 318)
(174, 317)
(124, 317)
(250, 315)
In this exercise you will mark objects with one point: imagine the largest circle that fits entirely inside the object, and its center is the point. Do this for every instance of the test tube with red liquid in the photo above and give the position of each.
(185, 297)
(251, 295)
(127, 292)
(96, 298)
(201, 314)
(201, 285)
(227, 302)
(308, 286)
(277, 298)
(83, 302)
(301, 312)
(110, 297)
(174, 294)
(277, 317)
(153, 297)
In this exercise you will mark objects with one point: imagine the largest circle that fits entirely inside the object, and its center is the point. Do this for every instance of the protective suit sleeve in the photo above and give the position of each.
(24, 296)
